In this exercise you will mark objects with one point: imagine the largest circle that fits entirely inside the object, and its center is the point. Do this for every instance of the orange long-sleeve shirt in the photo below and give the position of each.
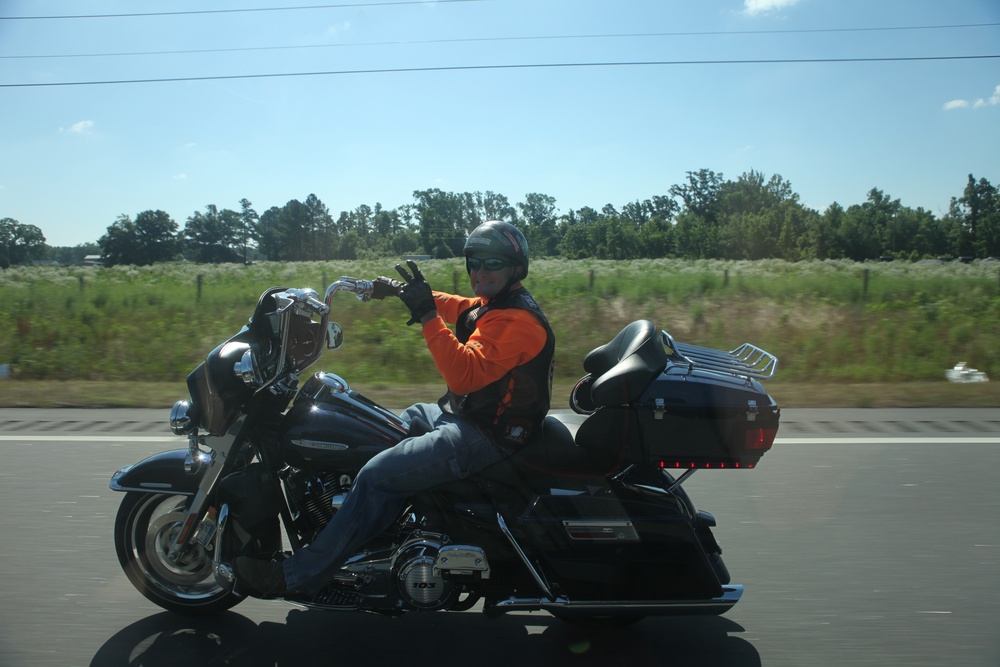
(503, 339)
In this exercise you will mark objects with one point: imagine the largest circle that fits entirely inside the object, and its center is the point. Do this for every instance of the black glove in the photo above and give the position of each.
(384, 287)
(416, 294)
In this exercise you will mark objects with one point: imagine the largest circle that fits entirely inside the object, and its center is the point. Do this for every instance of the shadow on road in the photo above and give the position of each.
(319, 638)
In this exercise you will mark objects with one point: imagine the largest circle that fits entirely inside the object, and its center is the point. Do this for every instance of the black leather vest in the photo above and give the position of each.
(512, 408)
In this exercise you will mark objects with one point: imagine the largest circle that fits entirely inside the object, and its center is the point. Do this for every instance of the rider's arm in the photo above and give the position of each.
(450, 306)
(502, 340)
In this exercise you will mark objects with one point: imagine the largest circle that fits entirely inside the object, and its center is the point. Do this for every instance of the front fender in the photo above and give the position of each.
(160, 473)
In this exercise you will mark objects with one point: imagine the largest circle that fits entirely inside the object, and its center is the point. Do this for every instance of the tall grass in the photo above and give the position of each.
(837, 321)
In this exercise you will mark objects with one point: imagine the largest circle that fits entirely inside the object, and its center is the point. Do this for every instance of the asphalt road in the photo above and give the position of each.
(863, 538)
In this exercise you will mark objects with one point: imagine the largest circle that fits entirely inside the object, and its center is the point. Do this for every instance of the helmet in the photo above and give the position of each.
(501, 239)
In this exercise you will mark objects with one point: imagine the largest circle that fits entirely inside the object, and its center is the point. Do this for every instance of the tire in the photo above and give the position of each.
(145, 524)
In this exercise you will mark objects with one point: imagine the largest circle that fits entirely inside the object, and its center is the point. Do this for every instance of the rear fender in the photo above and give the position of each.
(160, 473)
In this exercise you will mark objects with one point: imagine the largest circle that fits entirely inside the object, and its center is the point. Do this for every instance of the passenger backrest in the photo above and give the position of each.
(622, 368)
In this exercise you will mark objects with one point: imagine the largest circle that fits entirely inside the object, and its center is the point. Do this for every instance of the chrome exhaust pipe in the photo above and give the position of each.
(731, 594)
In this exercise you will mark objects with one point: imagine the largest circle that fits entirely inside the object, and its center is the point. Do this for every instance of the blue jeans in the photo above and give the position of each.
(454, 449)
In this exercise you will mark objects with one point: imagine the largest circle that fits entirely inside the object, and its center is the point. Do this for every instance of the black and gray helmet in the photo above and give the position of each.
(501, 239)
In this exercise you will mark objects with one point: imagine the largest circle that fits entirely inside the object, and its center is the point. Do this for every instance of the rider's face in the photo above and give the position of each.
(486, 283)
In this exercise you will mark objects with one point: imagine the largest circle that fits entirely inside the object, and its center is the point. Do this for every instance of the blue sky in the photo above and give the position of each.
(75, 157)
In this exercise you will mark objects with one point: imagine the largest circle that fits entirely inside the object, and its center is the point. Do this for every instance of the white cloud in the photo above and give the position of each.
(753, 7)
(981, 103)
(180, 177)
(338, 29)
(83, 127)
(992, 102)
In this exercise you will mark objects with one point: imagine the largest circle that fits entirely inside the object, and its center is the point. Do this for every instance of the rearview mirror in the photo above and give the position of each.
(334, 336)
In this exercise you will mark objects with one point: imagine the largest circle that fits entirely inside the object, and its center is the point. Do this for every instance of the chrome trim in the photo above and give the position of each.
(144, 487)
(180, 418)
(680, 480)
(731, 594)
(535, 574)
(746, 361)
(224, 574)
(248, 370)
(462, 560)
(321, 444)
(601, 530)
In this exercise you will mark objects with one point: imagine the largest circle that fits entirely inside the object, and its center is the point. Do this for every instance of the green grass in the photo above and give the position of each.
(827, 322)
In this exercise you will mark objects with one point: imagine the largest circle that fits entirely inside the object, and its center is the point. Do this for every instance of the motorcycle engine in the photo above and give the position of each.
(413, 570)
(316, 495)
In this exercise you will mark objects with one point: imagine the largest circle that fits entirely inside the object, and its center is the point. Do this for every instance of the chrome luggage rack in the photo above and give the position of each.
(748, 361)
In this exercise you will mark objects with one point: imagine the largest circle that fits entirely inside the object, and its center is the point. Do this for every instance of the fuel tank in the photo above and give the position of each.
(331, 427)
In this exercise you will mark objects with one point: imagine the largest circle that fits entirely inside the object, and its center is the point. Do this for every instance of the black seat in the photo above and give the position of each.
(554, 453)
(622, 368)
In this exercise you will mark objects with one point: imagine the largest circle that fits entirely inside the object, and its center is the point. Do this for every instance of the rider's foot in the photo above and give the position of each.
(260, 578)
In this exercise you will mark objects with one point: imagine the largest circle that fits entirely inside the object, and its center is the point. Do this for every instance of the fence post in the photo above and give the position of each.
(591, 280)
(201, 279)
(864, 289)
(80, 277)
(454, 282)
(725, 278)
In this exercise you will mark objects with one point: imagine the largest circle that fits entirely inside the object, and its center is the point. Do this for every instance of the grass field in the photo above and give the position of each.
(845, 333)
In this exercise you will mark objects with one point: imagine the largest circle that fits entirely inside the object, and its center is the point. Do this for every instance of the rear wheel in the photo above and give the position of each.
(145, 526)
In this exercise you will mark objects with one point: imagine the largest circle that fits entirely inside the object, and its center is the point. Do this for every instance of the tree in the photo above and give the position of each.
(151, 238)
(248, 227)
(697, 231)
(19, 243)
(442, 227)
(538, 213)
(978, 213)
(213, 236)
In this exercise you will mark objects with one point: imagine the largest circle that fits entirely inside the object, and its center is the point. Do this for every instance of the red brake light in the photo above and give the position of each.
(760, 438)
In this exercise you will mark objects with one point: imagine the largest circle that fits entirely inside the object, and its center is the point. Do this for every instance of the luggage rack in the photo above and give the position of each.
(748, 361)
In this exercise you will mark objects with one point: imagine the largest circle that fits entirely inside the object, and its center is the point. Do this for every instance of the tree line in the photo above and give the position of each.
(706, 217)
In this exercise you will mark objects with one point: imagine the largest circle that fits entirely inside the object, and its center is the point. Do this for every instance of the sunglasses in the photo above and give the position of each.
(490, 264)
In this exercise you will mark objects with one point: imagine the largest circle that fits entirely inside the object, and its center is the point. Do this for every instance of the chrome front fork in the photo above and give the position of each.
(210, 465)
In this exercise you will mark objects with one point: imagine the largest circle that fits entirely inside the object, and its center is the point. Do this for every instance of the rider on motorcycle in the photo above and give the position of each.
(497, 365)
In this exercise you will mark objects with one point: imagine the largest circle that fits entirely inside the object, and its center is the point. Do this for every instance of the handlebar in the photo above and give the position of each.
(361, 288)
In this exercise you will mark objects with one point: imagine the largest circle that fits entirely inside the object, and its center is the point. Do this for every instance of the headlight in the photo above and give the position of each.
(180, 419)
(247, 370)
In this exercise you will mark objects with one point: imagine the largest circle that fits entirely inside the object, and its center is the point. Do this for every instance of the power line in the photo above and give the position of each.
(459, 68)
(226, 11)
(714, 33)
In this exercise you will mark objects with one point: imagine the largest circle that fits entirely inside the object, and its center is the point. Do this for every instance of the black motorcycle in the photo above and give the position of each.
(588, 522)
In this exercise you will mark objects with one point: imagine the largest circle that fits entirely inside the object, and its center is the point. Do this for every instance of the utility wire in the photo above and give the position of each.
(227, 11)
(460, 68)
(507, 39)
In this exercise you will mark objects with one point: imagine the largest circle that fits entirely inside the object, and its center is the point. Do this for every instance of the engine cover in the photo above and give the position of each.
(419, 583)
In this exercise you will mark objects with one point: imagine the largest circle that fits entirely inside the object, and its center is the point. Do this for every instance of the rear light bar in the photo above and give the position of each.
(756, 441)
(714, 465)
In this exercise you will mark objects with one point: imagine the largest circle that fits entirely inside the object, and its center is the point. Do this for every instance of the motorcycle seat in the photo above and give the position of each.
(555, 453)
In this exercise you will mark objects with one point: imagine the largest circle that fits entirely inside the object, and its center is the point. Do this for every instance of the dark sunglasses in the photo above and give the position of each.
(490, 264)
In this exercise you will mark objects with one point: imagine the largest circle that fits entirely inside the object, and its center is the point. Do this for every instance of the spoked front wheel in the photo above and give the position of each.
(146, 525)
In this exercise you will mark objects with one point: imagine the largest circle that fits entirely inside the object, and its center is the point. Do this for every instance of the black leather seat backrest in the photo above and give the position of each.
(624, 367)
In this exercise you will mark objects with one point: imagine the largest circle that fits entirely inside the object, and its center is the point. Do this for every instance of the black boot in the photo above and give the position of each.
(260, 578)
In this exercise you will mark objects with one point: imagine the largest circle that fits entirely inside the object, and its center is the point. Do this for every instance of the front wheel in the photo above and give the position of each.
(144, 529)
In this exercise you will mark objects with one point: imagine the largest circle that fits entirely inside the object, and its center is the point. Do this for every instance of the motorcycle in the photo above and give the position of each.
(589, 521)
